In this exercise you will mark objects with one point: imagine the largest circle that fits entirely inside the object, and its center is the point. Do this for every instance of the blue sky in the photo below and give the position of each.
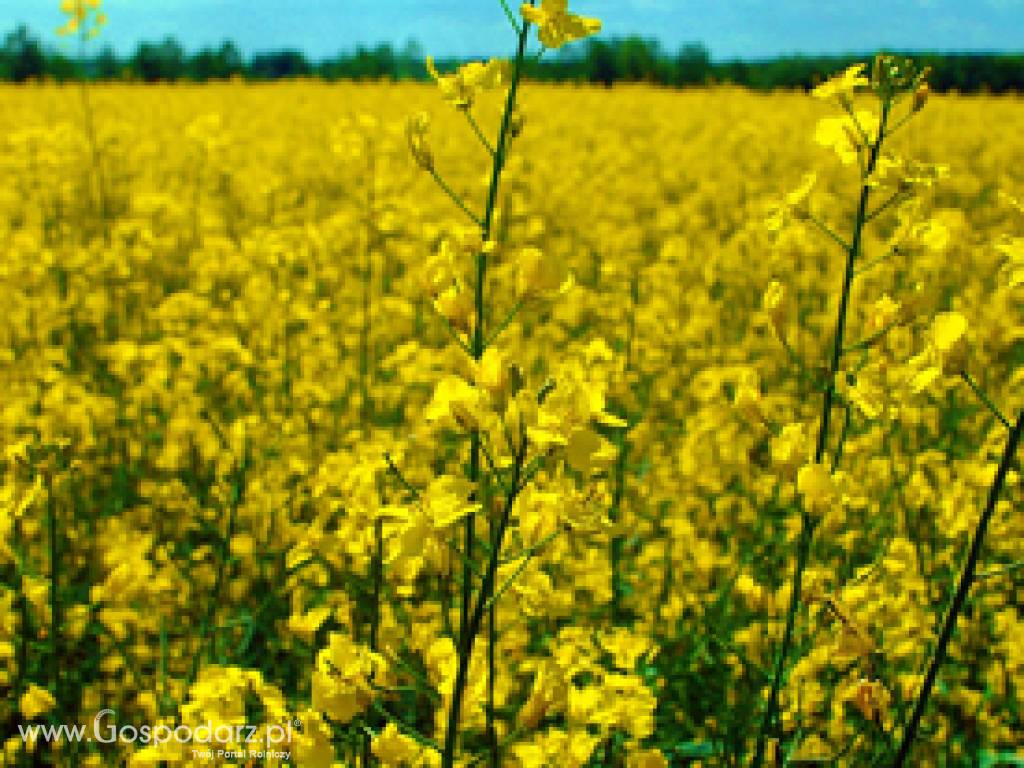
(730, 28)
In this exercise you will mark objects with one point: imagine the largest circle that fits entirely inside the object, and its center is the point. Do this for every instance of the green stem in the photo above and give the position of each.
(511, 17)
(456, 198)
(467, 638)
(872, 263)
(451, 331)
(896, 197)
(373, 240)
(827, 230)
(526, 560)
(237, 494)
(470, 623)
(848, 106)
(962, 591)
(618, 541)
(983, 396)
(504, 323)
(365, 410)
(873, 339)
(90, 131)
(401, 478)
(479, 133)
(808, 523)
(404, 727)
(377, 577)
(492, 641)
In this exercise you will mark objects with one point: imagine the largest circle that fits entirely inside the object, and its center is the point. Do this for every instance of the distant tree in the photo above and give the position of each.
(600, 60)
(638, 58)
(220, 64)
(272, 66)
(160, 61)
(61, 68)
(736, 72)
(22, 56)
(410, 61)
(692, 65)
(601, 63)
(106, 65)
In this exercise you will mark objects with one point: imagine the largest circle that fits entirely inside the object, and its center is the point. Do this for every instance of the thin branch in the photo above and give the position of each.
(848, 106)
(415, 735)
(511, 17)
(894, 198)
(825, 228)
(527, 559)
(451, 331)
(983, 396)
(393, 469)
(962, 591)
(873, 338)
(456, 198)
(479, 133)
(505, 323)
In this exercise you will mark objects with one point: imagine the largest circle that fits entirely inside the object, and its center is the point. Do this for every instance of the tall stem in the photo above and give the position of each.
(807, 521)
(468, 638)
(377, 577)
(962, 591)
(238, 488)
(90, 132)
(467, 630)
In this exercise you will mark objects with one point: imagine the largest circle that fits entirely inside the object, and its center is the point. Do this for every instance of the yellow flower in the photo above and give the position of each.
(541, 273)
(844, 85)
(1013, 249)
(790, 448)
(945, 353)
(458, 400)
(817, 486)
(776, 304)
(36, 701)
(341, 687)
(790, 207)
(648, 758)
(80, 13)
(557, 25)
(583, 445)
(947, 331)
(392, 748)
(625, 647)
(312, 744)
(460, 88)
(444, 501)
(843, 135)
(492, 372)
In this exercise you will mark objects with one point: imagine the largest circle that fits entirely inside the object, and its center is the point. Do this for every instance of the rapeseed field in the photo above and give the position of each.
(492, 423)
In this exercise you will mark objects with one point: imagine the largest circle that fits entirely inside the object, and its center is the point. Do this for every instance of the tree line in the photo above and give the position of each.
(606, 61)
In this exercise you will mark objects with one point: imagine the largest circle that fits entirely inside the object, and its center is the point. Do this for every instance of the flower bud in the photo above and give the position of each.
(776, 305)
(416, 132)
